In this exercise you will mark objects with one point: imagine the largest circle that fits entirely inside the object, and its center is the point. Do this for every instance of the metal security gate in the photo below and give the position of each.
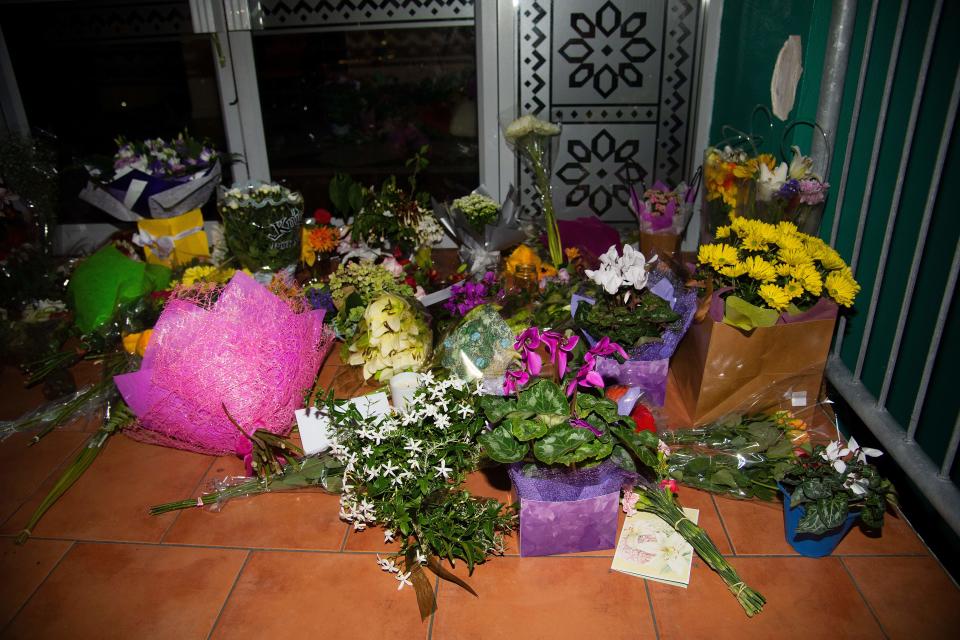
(889, 98)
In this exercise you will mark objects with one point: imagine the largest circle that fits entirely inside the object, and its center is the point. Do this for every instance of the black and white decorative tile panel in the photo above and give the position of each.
(280, 14)
(617, 74)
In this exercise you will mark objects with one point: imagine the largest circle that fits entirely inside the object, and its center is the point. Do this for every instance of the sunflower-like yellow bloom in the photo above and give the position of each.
(796, 256)
(718, 255)
(808, 276)
(775, 297)
(842, 287)
(759, 269)
(723, 232)
(733, 271)
(793, 288)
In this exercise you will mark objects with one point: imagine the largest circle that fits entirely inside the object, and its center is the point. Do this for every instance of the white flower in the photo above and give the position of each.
(426, 378)
(420, 558)
(465, 411)
(859, 486)
(769, 182)
(527, 125)
(389, 469)
(635, 276)
(607, 278)
(863, 453)
(834, 454)
(403, 579)
(387, 535)
(478, 390)
(443, 470)
(387, 564)
(367, 451)
(413, 446)
(442, 421)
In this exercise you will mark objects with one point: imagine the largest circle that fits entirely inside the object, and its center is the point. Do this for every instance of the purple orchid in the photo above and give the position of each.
(583, 424)
(588, 376)
(559, 347)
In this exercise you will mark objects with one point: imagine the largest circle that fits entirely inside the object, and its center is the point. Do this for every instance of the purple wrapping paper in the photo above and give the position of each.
(563, 511)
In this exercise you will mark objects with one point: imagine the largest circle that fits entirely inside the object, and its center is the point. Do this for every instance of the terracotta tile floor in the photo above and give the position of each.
(284, 565)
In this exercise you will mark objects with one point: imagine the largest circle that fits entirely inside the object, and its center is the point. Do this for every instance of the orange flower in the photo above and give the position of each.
(572, 253)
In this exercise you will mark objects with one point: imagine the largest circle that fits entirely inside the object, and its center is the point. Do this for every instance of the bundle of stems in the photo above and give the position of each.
(320, 470)
(660, 502)
(116, 417)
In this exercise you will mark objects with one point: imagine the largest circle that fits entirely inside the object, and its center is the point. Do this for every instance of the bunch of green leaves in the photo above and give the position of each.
(347, 195)
(742, 456)
(643, 318)
(828, 495)
(403, 471)
(536, 426)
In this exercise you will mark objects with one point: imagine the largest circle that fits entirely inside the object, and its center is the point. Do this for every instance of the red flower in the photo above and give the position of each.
(643, 418)
(322, 216)
(670, 484)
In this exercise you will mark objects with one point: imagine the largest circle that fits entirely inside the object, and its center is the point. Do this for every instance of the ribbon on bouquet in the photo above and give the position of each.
(162, 246)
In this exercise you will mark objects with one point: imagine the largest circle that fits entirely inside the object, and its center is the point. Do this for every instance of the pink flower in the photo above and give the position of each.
(586, 377)
(558, 347)
(629, 501)
(670, 484)
(514, 379)
(527, 344)
(390, 264)
(583, 424)
(605, 347)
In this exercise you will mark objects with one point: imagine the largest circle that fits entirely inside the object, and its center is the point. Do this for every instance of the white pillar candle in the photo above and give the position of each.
(402, 387)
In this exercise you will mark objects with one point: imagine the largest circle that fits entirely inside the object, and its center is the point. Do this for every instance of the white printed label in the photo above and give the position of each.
(315, 427)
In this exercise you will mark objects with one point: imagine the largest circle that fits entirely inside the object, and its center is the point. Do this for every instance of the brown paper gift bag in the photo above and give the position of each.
(719, 369)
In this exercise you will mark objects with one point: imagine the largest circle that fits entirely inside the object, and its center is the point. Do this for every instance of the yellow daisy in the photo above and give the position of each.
(775, 297)
(842, 287)
(759, 269)
(808, 276)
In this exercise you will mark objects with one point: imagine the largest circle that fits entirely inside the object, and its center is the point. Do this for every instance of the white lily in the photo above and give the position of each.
(769, 182)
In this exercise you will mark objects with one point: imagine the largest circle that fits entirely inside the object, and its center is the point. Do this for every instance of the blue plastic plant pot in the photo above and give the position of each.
(806, 544)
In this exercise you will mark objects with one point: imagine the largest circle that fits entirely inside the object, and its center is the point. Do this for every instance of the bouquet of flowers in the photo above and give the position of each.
(320, 238)
(262, 225)
(792, 193)
(727, 179)
(353, 286)
(530, 137)
(403, 471)
(481, 227)
(663, 214)
(393, 336)
(155, 178)
(768, 269)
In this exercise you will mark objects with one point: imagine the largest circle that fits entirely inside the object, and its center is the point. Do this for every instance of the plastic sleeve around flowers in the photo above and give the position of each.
(481, 249)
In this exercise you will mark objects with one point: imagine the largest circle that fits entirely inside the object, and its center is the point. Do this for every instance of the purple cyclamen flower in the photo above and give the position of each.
(514, 379)
(583, 424)
(527, 344)
(558, 347)
(606, 347)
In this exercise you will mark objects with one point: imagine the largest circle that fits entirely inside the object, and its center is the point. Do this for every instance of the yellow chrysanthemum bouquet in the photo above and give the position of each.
(771, 269)
(764, 332)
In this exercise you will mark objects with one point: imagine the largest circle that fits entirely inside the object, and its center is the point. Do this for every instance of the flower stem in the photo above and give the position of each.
(535, 152)
(660, 502)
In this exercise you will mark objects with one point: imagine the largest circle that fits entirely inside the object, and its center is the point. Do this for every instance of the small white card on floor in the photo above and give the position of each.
(315, 427)
(650, 548)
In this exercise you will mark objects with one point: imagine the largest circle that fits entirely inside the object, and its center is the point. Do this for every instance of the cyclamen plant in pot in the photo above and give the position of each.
(570, 452)
(827, 491)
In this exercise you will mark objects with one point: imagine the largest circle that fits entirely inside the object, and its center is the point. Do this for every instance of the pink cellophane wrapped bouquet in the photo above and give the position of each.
(246, 349)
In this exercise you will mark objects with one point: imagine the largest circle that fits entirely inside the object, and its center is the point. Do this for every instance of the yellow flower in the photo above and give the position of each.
(746, 170)
(719, 179)
(572, 253)
(808, 277)
(734, 271)
(759, 269)
(788, 241)
(718, 255)
(795, 256)
(307, 255)
(723, 232)
(783, 269)
(137, 342)
(842, 287)
(754, 243)
(775, 297)
(793, 288)
(524, 255)
(196, 274)
(768, 159)
(788, 228)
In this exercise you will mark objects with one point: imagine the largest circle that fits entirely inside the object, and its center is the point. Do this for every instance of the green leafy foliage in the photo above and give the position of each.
(642, 319)
(501, 445)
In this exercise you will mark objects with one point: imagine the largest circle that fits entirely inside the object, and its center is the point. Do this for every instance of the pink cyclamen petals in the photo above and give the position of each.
(534, 363)
(593, 379)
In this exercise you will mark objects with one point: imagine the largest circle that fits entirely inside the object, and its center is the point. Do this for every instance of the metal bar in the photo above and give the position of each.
(854, 119)
(942, 494)
(874, 156)
(932, 193)
(948, 292)
(898, 187)
(951, 454)
(835, 62)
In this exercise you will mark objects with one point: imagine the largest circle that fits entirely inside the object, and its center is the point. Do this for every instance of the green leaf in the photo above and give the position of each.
(501, 446)
(525, 430)
(560, 444)
(743, 315)
(589, 404)
(496, 408)
(543, 397)
(724, 477)
(623, 459)
(823, 515)
(642, 445)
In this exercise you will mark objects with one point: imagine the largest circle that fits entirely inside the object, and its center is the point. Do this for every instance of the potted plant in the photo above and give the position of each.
(826, 492)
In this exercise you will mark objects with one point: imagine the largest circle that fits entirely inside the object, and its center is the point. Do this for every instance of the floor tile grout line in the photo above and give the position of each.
(436, 599)
(653, 613)
(196, 488)
(856, 585)
(42, 582)
(233, 586)
(343, 543)
(723, 524)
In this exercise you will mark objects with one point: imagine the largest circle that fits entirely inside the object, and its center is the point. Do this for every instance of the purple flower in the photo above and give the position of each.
(813, 191)
(558, 347)
(583, 424)
(789, 189)
(527, 344)
(466, 296)
(587, 375)
(514, 379)
(605, 347)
